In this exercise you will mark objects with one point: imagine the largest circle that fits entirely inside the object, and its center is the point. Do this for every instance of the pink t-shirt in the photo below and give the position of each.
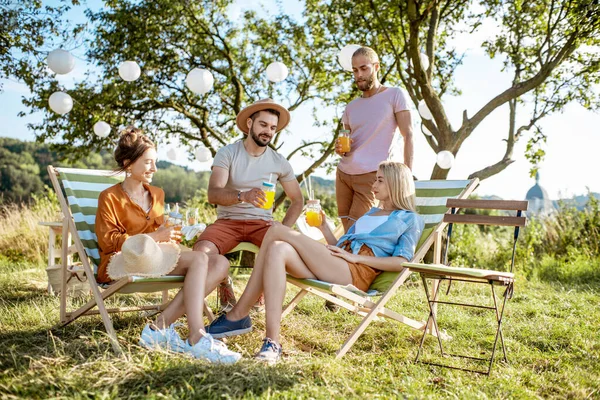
(372, 123)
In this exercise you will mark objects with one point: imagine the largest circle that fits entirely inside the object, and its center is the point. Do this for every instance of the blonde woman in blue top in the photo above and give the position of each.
(381, 240)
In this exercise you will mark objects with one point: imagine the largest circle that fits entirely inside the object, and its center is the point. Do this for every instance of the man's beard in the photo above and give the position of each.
(256, 139)
(366, 84)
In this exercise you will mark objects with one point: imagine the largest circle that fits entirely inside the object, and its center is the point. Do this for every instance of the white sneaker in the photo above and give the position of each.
(213, 350)
(167, 338)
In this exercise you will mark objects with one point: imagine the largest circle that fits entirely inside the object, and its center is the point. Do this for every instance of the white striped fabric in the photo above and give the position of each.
(88, 219)
(88, 235)
(82, 202)
(82, 188)
(431, 201)
(91, 172)
(441, 184)
(92, 187)
(432, 219)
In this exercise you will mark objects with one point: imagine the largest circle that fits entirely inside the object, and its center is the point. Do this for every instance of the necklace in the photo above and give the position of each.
(136, 200)
(378, 90)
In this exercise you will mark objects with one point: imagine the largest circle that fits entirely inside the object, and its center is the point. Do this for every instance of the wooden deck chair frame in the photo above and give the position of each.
(442, 271)
(360, 302)
(125, 285)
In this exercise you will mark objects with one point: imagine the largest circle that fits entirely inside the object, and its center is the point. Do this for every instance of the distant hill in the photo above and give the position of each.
(23, 171)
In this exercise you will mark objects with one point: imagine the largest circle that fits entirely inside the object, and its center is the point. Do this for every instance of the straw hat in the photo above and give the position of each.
(140, 255)
(242, 117)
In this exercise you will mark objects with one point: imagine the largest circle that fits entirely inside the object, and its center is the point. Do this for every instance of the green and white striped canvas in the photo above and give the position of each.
(82, 188)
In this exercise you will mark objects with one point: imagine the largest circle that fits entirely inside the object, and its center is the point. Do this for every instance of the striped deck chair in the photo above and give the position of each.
(431, 204)
(82, 188)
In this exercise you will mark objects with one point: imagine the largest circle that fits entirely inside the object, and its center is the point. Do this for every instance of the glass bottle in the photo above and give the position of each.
(192, 216)
(166, 213)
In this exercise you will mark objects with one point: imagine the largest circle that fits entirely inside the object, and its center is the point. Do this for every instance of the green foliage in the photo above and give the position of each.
(564, 247)
(23, 171)
(179, 183)
(168, 38)
(27, 27)
(21, 237)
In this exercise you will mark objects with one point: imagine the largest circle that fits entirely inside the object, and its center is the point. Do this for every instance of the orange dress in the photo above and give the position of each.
(118, 217)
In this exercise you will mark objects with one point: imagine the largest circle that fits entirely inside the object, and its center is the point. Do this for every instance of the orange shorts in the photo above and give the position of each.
(228, 233)
(362, 274)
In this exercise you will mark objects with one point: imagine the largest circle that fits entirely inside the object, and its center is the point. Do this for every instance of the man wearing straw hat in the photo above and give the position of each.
(238, 172)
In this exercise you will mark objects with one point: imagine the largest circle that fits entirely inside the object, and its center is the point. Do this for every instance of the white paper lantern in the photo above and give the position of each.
(129, 71)
(60, 102)
(426, 131)
(101, 129)
(345, 56)
(60, 61)
(172, 154)
(203, 154)
(445, 159)
(424, 110)
(199, 80)
(424, 61)
(277, 71)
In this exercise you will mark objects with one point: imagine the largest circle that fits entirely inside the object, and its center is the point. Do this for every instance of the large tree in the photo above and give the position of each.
(549, 46)
(168, 38)
(546, 44)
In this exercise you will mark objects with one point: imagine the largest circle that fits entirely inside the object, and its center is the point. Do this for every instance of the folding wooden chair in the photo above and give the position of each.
(431, 205)
(442, 271)
(82, 188)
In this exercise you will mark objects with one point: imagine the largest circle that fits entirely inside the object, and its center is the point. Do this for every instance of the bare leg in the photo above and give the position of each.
(316, 259)
(216, 270)
(281, 256)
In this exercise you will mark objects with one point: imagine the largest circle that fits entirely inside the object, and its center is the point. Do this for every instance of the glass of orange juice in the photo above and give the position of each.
(344, 140)
(313, 213)
(269, 189)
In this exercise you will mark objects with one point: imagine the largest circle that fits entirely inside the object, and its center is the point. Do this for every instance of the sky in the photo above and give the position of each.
(568, 169)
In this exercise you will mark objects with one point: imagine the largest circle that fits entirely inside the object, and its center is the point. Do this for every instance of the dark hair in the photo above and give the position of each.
(132, 145)
(269, 110)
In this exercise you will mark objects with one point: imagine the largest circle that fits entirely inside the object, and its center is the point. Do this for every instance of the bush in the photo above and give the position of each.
(563, 247)
(21, 238)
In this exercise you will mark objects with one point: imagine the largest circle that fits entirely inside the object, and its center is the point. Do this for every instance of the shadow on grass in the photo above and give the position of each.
(71, 361)
(200, 379)
(14, 296)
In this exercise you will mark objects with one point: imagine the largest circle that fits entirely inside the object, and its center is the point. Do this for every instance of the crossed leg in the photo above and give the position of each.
(200, 280)
(285, 250)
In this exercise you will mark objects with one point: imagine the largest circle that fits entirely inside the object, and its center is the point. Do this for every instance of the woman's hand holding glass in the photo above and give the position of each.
(166, 233)
(311, 219)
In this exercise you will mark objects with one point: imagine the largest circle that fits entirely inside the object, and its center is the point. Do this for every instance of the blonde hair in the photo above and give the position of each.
(366, 52)
(401, 187)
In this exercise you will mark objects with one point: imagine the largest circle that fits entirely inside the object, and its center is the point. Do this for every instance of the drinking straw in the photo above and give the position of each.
(306, 186)
(270, 177)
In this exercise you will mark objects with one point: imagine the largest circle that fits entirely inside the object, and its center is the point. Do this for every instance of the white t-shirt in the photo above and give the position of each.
(367, 223)
(247, 172)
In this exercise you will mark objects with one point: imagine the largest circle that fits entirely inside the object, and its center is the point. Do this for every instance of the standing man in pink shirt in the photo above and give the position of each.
(373, 120)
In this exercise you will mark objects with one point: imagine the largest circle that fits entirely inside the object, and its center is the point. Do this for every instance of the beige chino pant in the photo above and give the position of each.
(353, 195)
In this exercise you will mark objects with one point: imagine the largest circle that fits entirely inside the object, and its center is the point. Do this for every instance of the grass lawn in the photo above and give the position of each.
(551, 331)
